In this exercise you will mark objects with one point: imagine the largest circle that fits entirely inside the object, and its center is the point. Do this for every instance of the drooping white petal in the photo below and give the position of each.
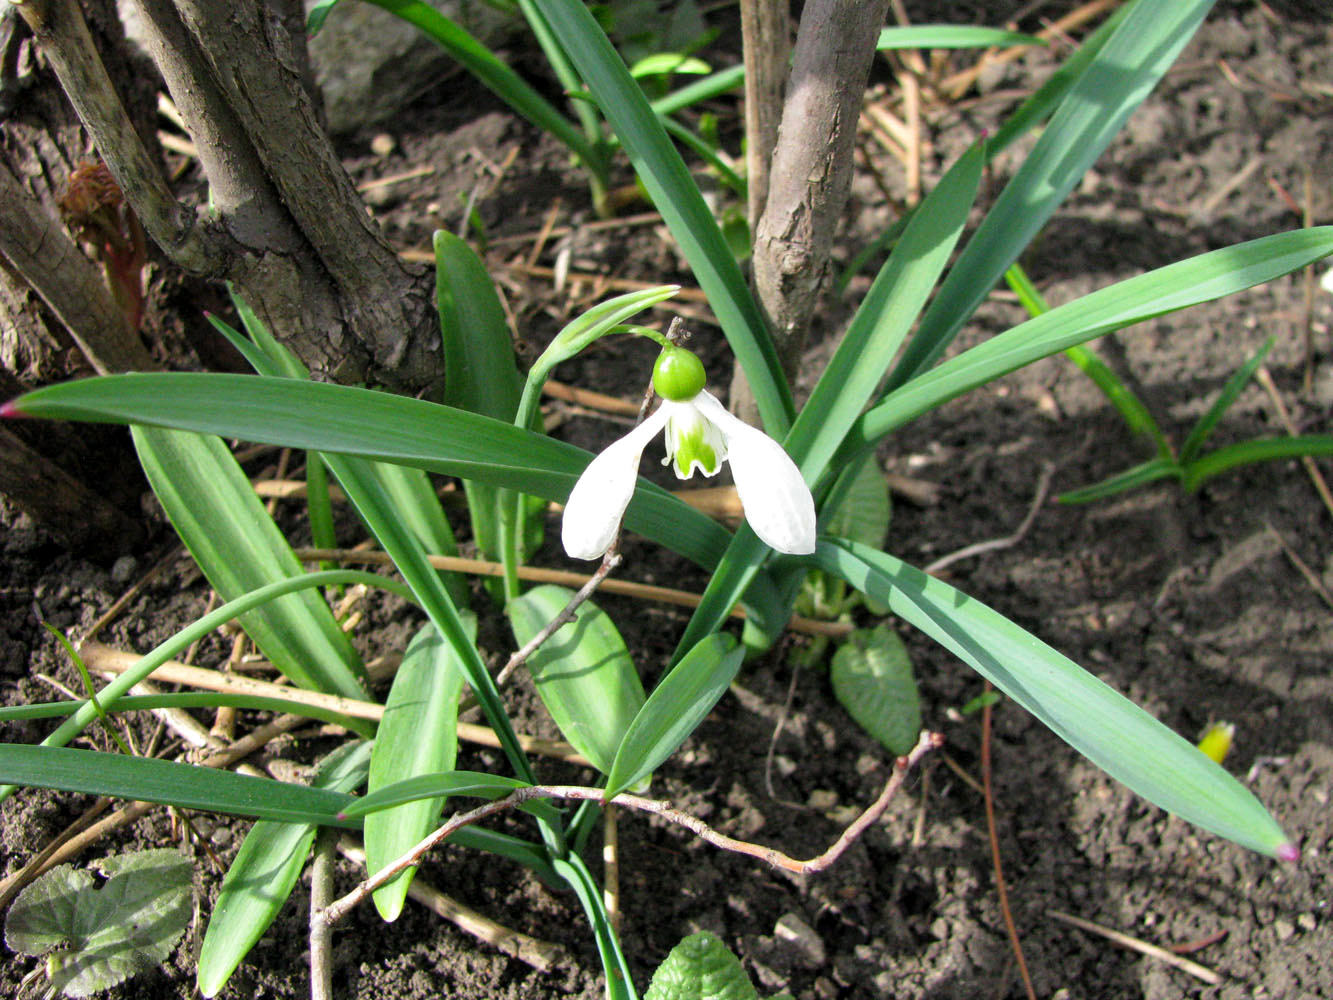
(777, 502)
(599, 498)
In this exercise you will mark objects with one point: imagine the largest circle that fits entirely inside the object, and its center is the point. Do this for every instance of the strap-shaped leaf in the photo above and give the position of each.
(417, 735)
(1097, 721)
(681, 700)
(1115, 82)
(1186, 283)
(215, 511)
(264, 873)
(583, 672)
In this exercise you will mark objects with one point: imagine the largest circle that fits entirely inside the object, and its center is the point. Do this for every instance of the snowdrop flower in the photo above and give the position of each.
(700, 434)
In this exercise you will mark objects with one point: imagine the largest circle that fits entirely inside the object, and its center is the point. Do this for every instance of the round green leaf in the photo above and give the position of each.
(872, 677)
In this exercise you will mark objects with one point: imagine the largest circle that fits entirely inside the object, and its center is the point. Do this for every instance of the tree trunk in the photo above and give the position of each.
(286, 225)
(810, 173)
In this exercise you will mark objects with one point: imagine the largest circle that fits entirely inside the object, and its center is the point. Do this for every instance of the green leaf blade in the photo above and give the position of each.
(1098, 722)
(418, 735)
(872, 678)
(584, 672)
(674, 710)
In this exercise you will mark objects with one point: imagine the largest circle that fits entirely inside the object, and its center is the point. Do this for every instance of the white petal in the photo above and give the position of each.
(598, 500)
(777, 502)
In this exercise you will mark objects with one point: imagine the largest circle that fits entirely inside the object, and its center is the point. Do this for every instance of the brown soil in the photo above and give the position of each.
(1189, 604)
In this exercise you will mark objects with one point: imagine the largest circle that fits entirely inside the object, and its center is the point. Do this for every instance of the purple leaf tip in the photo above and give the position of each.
(10, 411)
(1288, 852)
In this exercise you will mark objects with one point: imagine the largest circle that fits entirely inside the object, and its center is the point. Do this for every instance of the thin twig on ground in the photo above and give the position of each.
(978, 548)
(1316, 477)
(610, 560)
(927, 742)
(1142, 947)
(540, 955)
(537, 574)
(1311, 577)
(991, 830)
(321, 934)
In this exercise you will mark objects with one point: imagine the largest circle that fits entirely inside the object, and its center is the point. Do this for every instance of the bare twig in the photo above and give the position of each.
(114, 661)
(536, 574)
(1311, 577)
(1316, 477)
(927, 742)
(1139, 945)
(977, 548)
(541, 955)
(321, 933)
(611, 866)
(1000, 889)
(610, 561)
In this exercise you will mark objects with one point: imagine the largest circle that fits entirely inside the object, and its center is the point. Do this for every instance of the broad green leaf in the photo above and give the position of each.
(583, 673)
(376, 425)
(264, 873)
(1189, 282)
(872, 678)
(106, 932)
(1100, 723)
(681, 700)
(951, 36)
(1248, 452)
(1230, 392)
(1115, 82)
(417, 735)
(214, 509)
(676, 196)
(701, 967)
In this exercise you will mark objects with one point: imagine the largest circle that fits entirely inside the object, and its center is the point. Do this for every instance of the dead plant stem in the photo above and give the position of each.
(927, 742)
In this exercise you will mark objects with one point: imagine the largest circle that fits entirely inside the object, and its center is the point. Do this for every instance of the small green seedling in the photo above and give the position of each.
(701, 967)
(106, 933)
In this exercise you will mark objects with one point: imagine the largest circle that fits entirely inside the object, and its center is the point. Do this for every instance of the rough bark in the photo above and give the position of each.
(287, 226)
(810, 173)
(766, 40)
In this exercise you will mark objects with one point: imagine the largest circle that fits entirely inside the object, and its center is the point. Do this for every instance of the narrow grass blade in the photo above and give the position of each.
(475, 784)
(376, 425)
(418, 735)
(410, 489)
(1121, 482)
(681, 701)
(1230, 392)
(196, 630)
(583, 672)
(1189, 282)
(264, 873)
(619, 976)
(215, 511)
(1131, 409)
(675, 194)
(1248, 452)
(1115, 82)
(151, 780)
(1098, 722)
(496, 77)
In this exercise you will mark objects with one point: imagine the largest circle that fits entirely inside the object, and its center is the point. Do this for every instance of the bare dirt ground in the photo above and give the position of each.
(1192, 605)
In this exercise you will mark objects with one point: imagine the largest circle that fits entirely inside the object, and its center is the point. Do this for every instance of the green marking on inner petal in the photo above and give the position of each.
(692, 446)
